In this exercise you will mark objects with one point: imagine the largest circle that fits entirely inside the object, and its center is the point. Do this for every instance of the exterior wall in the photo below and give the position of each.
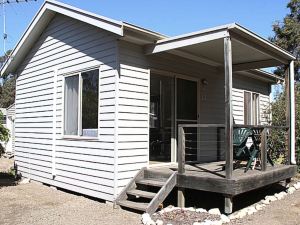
(241, 84)
(10, 124)
(42, 153)
(135, 64)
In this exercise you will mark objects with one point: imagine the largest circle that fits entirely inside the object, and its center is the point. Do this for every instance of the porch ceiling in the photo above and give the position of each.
(249, 51)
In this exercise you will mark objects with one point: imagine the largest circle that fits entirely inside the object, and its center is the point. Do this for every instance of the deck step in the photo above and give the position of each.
(141, 206)
(140, 193)
(150, 182)
(129, 197)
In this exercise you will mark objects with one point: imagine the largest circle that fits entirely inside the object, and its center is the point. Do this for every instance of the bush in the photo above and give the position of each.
(4, 135)
(277, 137)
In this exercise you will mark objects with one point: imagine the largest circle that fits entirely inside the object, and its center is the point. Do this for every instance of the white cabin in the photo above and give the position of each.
(99, 99)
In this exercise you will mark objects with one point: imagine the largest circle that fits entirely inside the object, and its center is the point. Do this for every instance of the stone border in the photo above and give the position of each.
(146, 218)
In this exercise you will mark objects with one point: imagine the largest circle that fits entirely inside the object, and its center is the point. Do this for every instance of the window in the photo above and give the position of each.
(251, 108)
(81, 104)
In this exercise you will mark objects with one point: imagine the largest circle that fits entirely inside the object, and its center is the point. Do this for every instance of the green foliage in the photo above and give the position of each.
(4, 135)
(278, 137)
(287, 36)
(7, 92)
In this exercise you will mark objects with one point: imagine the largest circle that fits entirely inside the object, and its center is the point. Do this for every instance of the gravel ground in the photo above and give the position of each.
(184, 217)
(37, 204)
(282, 212)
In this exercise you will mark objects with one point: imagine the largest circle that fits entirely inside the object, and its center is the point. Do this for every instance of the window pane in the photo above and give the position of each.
(90, 103)
(71, 105)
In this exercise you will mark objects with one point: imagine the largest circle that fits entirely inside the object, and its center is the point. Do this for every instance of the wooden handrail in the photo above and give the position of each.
(200, 125)
(260, 126)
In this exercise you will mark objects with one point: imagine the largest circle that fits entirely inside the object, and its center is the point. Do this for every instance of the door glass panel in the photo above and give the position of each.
(161, 117)
(187, 114)
(186, 100)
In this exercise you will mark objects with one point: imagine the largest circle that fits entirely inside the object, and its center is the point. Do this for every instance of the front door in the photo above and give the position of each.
(187, 113)
(173, 101)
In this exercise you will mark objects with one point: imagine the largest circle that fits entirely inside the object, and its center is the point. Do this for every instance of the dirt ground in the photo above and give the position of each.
(282, 212)
(37, 204)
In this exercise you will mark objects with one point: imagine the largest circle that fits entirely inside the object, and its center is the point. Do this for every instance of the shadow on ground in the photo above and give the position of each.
(7, 179)
(208, 200)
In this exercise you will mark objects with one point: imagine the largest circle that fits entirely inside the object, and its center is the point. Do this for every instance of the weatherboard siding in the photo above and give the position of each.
(84, 166)
(135, 64)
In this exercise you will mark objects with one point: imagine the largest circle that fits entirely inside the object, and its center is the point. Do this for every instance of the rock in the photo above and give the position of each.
(190, 209)
(259, 207)
(197, 223)
(265, 202)
(278, 196)
(214, 211)
(291, 190)
(241, 214)
(159, 222)
(208, 222)
(24, 181)
(271, 198)
(167, 210)
(216, 222)
(200, 210)
(146, 218)
(297, 185)
(251, 210)
(232, 216)
(150, 222)
(225, 219)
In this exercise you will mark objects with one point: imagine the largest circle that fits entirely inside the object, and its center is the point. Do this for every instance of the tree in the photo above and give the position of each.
(277, 137)
(287, 36)
(8, 92)
(5, 57)
(4, 135)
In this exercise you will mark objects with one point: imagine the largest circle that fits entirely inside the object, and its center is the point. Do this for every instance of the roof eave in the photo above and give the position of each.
(236, 28)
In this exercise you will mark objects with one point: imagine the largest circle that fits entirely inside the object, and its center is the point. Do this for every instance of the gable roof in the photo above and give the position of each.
(126, 30)
(43, 17)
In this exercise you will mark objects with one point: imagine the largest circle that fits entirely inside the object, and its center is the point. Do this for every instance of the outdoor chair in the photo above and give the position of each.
(257, 141)
(241, 151)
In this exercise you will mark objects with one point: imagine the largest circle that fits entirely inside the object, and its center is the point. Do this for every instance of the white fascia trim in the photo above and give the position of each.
(197, 33)
(268, 44)
(87, 17)
(162, 46)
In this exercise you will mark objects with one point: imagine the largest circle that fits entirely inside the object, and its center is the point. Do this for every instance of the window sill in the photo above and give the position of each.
(74, 137)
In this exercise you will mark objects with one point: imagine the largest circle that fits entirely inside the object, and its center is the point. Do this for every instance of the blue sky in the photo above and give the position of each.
(170, 17)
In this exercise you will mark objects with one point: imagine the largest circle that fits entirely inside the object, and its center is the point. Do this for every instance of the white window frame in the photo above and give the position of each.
(78, 73)
(251, 107)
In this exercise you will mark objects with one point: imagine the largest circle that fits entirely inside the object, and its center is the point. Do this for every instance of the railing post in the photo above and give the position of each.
(181, 150)
(228, 107)
(264, 146)
(181, 165)
(218, 144)
(290, 94)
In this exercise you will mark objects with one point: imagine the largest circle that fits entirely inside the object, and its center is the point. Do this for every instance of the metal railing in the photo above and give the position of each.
(189, 139)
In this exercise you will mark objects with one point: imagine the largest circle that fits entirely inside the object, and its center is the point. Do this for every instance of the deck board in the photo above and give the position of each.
(211, 177)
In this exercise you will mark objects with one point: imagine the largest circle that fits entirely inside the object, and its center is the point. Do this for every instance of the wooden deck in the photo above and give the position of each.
(211, 177)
